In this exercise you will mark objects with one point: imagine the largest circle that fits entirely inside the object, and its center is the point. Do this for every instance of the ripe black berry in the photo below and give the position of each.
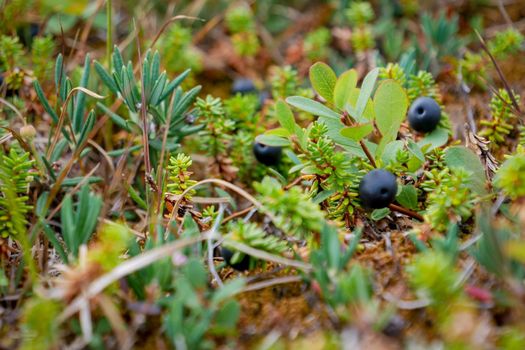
(242, 265)
(424, 114)
(378, 189)
(267, 155)
(243, 86)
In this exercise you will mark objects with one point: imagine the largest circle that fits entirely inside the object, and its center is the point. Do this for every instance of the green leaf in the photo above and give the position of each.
(366, 91)
(408, 197)
(312, 107)
(59, 70)
(368, 113)
(417, 158)
(462, 157)
(357, 133)
(121, 122)
(80, 100)
(228, 315)
(86, 128)
(285, 116)
(433, 140)
(334, 132)
(379, 214)
(391, 150)
(106, 78)
(390, 105)
(196, 273)
(228, 290)
(118, 62)
(282, 132)
(343, 88)
(45, 103)
(273, 140)
(51, 236)
(68, 223)
(322, 196)
(174, 84)
(323, 80)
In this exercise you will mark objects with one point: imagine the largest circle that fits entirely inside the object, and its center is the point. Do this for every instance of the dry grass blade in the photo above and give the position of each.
(19, 138)
(63, 115)
(500, 73)
(271, 282)
(261, 254)
(168, 22)
(231, 186)
(129, 266)
(14, 109)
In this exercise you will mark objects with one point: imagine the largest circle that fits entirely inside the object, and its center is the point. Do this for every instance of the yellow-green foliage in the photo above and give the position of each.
(393, 71)
(434, 277)
(179, 176)
(14, 185)
(510, 178)
(178, 53)
(359, 13)
(112, 242)
(450, 199)
(11, 52)
(253, 236)
(423, 84)
(40, 326)
(241, 24)
(316, 44)
(473, 68)
(42, 56)
(501, 125)
(294, 212)
(506, 43)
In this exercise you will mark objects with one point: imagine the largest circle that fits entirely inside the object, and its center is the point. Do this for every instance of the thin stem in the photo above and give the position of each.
(239, 213)
(212, 234)
(368, 154)
(406, 211)
(500, 73)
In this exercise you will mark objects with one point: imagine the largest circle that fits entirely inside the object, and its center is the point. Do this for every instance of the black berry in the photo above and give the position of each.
(242, 265)
(378, 189)
(27, 33)
(243, 86)
(424, 114)
(263, 97)
(267, 155)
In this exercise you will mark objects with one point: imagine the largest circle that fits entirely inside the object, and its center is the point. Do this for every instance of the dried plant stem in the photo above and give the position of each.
(406, 211)
(127, 267)
(214, 233)
(239, 213)
(271, 282)
(500, 73)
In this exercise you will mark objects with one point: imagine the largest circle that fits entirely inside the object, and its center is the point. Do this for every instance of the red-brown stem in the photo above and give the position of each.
(406, 211)
(237, 214)
(368, 154)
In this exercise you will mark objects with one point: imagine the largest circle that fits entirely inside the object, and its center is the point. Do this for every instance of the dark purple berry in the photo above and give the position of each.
(424, 114)
(267, 155)
(243, 86)
(242, 265)
(378, 189)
